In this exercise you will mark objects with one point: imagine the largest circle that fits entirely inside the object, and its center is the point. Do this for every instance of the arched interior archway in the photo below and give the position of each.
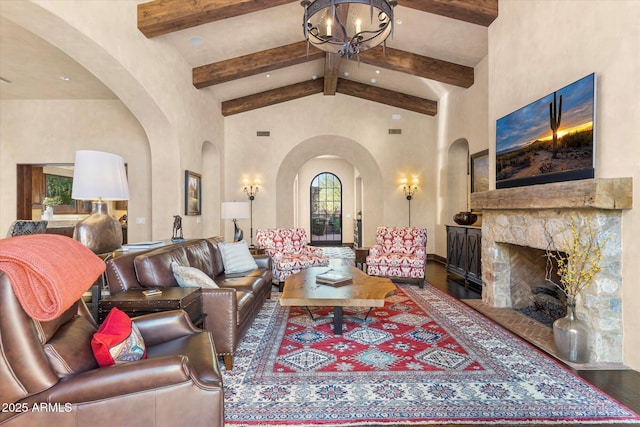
(97, 59)
(345, 148)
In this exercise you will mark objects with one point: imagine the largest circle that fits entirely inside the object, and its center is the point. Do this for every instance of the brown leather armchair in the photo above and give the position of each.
(48, 375)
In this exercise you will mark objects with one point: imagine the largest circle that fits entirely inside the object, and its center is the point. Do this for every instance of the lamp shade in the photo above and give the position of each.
(235, 210)
(99, 175)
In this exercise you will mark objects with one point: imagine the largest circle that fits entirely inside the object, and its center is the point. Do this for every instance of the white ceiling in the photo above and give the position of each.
(34, 67)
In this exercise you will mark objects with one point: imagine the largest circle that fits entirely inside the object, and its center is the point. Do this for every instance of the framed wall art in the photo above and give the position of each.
(192, 193)
(480, 171)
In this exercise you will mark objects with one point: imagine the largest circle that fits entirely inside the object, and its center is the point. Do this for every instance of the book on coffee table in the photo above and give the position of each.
(334, 278)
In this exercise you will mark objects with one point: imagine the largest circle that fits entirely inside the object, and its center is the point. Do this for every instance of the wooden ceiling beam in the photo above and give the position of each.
(331, 69)
(159, 17)
(418, 65)
(254, 63)
(346, 87)
(296, 53)
(481, 12)
(332, 60)
(388, 97)
(271, 97)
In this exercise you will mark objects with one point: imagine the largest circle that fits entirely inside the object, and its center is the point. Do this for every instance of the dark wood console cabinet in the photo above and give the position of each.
(464, 248)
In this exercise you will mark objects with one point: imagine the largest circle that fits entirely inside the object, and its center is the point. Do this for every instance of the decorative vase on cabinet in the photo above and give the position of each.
(571, 336)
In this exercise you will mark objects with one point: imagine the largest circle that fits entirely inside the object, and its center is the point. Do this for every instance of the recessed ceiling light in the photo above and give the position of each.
(373, 81)
(346, 74)
(399, 22)
(65, 78)
(377, 71)
(314, 77)
(268, 75)
(196, 41)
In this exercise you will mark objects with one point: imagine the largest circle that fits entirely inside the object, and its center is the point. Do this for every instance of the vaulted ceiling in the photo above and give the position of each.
(251, 53)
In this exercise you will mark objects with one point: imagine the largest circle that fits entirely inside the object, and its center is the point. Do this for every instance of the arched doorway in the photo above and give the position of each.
(325, 198)
(370, 199)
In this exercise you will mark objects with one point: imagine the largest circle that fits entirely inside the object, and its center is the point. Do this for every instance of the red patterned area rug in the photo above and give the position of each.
(424, 358)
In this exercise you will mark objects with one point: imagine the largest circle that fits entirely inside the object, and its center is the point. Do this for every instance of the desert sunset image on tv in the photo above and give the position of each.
(549, 140)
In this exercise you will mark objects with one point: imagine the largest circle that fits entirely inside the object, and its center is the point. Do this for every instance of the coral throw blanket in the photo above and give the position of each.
(48, 272)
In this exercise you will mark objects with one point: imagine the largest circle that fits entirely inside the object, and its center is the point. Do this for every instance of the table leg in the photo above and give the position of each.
(337, 320)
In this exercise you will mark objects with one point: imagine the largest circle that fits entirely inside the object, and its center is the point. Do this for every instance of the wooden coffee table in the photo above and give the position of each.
(301, 290)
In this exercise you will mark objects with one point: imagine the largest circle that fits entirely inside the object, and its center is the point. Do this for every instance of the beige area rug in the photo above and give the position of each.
(532, 331)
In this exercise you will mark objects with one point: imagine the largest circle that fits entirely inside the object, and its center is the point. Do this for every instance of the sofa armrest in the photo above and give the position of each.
(376, 250)
(164, 326)
(221, 307)
(263, 261)
(127, 378)
(273, 253)
(312, 250)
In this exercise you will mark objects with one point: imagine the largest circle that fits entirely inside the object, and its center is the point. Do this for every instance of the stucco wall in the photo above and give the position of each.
(153, 81)
(536, 47)
(463, 116)
(50, 131)
(338, 125)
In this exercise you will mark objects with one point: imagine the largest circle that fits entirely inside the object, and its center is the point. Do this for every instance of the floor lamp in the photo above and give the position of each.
(235, 211)
(251, 191)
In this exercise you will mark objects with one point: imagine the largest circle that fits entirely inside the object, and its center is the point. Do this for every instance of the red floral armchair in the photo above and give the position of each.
(400, 253)
(289, 251)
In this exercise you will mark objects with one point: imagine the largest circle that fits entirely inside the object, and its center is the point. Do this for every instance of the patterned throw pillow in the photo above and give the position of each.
(190, 277)
(118, 340)
(236, 257)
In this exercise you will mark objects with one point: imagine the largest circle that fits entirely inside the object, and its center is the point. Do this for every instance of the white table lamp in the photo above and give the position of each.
(99, 177)
(235, 211)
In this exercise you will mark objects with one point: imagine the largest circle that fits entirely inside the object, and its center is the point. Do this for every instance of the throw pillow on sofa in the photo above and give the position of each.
(190, 277)
(236, 257)
(118, 340)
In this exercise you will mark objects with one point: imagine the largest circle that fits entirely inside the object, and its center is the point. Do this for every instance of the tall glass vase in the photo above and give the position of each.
(571, 336)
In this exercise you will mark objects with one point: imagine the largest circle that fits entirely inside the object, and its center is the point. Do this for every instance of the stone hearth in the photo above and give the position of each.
(526, 216)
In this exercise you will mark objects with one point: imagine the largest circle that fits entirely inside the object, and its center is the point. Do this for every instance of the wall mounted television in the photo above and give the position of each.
(549, 140)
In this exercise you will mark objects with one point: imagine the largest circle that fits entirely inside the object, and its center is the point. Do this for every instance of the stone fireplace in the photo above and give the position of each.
(517, 221)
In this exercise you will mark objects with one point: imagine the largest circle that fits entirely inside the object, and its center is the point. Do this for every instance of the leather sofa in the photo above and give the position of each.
(229, 310)
(49, 376)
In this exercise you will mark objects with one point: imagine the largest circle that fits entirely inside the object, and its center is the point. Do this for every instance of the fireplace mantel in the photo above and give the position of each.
(599, 193)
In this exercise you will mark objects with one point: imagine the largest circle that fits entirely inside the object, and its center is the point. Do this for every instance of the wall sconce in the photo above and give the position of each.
(251, 190)
(409, 190)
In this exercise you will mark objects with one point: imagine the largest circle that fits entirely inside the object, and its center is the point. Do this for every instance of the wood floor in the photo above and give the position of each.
(622, 385)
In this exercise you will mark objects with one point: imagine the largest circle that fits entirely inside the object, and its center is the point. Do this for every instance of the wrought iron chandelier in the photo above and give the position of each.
(347, 27)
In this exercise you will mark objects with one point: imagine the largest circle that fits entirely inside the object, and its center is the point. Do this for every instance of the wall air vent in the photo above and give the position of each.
(263, 133)
(395, 131)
